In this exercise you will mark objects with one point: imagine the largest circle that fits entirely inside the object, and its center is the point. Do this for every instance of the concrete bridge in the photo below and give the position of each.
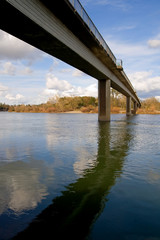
(64, 30)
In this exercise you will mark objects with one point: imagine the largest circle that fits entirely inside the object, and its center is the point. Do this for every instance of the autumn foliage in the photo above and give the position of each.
(150, 106)
(84, 105)
(59, 105)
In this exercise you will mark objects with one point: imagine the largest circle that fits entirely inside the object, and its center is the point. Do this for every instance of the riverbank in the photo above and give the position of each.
(83, 105)
(140, 112)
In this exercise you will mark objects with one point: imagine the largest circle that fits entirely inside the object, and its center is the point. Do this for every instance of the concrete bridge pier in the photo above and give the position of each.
(128, 106)
(135, 107)
(104, 100)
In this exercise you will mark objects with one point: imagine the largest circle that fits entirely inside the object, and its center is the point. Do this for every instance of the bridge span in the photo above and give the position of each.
(64, 30)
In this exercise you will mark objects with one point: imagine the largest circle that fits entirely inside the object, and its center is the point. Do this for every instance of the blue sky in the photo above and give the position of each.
(131, 29)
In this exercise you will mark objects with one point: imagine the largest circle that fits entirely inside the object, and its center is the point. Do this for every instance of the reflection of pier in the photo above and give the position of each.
(71, 215)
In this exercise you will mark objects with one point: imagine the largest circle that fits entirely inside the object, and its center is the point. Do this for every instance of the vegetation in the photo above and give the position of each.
(84, 105)
(118, 102)
(4, 107)
(150, 106)
(58, 105)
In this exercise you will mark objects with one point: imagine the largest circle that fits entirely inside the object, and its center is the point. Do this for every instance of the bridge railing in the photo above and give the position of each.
(83, 14)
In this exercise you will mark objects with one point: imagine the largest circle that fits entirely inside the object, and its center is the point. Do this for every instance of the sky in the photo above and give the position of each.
(131, 28)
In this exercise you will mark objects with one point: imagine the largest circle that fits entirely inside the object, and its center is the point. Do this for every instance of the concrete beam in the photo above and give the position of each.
(128, 106)
(42, 29)
(104, 100)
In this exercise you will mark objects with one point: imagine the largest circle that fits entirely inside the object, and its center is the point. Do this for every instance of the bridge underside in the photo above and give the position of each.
(32, 22)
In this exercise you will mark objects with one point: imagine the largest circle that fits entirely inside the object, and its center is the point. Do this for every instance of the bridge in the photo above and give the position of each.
(64, 30)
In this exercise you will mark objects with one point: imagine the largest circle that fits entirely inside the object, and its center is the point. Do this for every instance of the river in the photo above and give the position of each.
(67, 176)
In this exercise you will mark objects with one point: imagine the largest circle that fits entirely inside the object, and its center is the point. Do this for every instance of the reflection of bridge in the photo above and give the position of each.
(63, 29)
(72, 214)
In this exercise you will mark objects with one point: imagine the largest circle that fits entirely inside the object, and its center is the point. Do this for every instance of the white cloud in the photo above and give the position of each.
(9, 98)
(129, 49)
(90, 90)
(136, 57)
(54, 65)
(158, 98)
(145, 82)
(122, 4)
(17, 97)
(56, 84)
(3, 88)
(61, 88)
(124, 27)
(13, 48)
(26, 71)
(154, 43)
(8, 68)
(77, 73)
(66, 70)
(49, 93)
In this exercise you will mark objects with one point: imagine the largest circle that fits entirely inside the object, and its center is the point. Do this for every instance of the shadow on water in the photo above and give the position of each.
(72, 214)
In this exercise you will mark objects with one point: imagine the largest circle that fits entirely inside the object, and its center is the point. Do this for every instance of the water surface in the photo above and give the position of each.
(66, 175)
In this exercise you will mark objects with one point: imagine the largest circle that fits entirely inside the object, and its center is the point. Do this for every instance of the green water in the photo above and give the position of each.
(66, 176)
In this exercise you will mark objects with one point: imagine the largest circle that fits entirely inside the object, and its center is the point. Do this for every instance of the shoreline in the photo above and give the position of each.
(73, 112)
(80, 112)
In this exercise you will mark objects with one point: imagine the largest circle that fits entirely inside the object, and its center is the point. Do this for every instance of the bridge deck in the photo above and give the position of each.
(57, 29)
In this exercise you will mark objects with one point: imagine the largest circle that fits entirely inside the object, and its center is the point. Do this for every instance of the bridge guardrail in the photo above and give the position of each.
(83, 14)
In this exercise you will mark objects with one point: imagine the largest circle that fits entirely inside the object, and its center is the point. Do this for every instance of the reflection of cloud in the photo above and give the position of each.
(85, 161)
(51, 141)
(67, 137)
(21, 186)
(87, 154)
(62, 131)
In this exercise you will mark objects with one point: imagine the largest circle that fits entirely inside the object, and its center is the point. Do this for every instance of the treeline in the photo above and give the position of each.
(150, 106)
(69, 104)
(84, 105)
(59, 105)
(4, 107)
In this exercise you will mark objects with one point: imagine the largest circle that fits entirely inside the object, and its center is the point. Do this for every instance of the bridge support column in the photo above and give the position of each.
(104, 100)
(128, 106)
(134, 108)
